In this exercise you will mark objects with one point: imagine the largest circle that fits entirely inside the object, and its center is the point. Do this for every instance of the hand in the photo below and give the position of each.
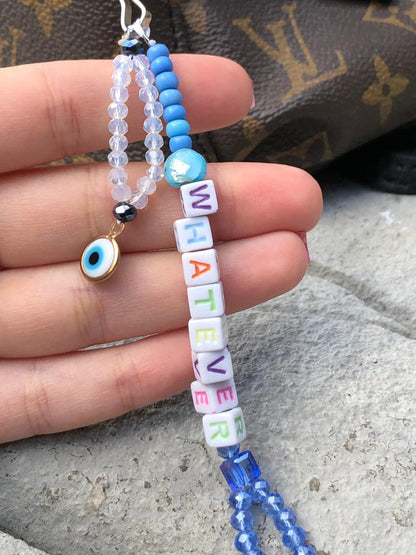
(49, 311)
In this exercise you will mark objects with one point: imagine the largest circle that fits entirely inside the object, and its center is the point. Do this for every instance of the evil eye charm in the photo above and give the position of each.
(100, 258)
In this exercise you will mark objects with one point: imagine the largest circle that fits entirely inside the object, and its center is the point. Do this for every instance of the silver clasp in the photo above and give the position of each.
(141, 25)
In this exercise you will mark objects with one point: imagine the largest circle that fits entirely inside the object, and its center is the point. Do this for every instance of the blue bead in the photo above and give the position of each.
(176, 143)
(240, 500)
(131, 47)
(166, 80)
(294, 537)
(178, 127)
(175, 111)
(284, 520)
(227, 452)
(246, 541)
(259, 490)
(156, 51)
(161, 64)
(304, 550)
(255, 552)
(241, 470)
(242, 520)
(185, 166)
(170, 96)
(272, 504)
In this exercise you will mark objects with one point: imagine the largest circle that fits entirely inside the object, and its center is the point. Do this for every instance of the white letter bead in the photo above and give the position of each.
(225, 428)
(198, 198)
(216, 397)
(208, 334)
(213, 367)
(200, 267)
(206, 301)
(193, 234)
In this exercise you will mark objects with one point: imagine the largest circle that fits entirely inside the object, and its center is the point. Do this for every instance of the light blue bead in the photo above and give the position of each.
(161, 64)
(304, 550)
(284, 520)
(166, 80)
(228, 452)
(178, 127)
(294, 537)
(181, 141)
(240, 500)
(273, 504)
(242, 520)
(185, 166)
(259, 490)
(170, 96)
(246, 541)
(175, 111)
(156, 51)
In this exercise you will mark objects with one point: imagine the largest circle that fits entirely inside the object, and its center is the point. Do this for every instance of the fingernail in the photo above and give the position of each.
(302, 235)
(253, 102)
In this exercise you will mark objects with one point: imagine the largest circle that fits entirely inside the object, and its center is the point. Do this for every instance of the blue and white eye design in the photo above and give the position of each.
(100, 258)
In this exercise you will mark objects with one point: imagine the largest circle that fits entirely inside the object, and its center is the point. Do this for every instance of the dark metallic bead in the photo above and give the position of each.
(124, 212)
(132, 46)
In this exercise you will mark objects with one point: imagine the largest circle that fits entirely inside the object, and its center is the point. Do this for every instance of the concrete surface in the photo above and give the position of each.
(326, 379)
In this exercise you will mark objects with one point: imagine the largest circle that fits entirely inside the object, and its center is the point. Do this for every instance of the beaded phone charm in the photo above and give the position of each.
(213, 392)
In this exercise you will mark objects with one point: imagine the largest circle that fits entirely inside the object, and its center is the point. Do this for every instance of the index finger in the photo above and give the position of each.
(56, 109)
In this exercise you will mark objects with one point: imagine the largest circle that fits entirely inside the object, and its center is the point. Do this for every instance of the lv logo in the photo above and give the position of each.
(16, 34)
(303, 74)
(393, 15)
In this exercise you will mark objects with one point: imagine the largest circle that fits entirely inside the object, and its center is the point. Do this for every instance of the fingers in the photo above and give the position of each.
(53, 309)
(60, 108)
(51, 213)
(68, 391)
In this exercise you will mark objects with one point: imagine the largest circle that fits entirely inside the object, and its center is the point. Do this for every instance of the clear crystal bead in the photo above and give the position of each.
(121, 193)
(148, 94)
(123, 62)
(152, 125)
(139, 200)
(140, 62)
(118, 127)
(153, 140)
(153, 109)
(121, 78)
(118, 176)
(145, 78)
(155, 172)
(146, 185)
(117, 159)
(117, 110)
(119, 94)
(155, 157)
(118, 142)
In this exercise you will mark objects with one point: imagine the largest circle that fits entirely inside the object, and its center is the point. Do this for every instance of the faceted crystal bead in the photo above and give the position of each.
(148, 94)
(117, 159)
(118, 127)
(132, 46)
(139, 200)
(146, 185)
(118, 176)
(121, 78)
(284, 520)
(242, 520)
(272, 504)
(240, 471)
(121, 193)
(304, 550)
(118, 142)
(153, 109)
(119, 94)
(259, 489)
(140, 62)
(117, 110)
(246, 541)
(124, 212)
(145, 78)
(256, 551)
(155, 157)
(152, 125)
(155, 172)
(228, 452)
(240, 500)
(153, 140)
(123, 62)
(294, 537)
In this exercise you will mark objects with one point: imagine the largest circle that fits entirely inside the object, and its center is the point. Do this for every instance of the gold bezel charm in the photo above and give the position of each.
(101, 256)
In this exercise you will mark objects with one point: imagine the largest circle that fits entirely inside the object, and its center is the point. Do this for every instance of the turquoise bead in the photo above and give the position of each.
(181, 141)
(170, 96)
(178, 127)
(175, 111)
(156, 51)
(166, 80)
(161, 64)
(185, 166)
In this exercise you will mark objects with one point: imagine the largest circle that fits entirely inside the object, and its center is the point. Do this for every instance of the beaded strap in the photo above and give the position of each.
(213, 392)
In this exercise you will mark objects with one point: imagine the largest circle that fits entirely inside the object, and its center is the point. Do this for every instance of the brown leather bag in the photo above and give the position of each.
(329, 75)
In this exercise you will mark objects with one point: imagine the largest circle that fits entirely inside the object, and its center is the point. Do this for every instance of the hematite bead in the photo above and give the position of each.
(124, 212)
(132, 47)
